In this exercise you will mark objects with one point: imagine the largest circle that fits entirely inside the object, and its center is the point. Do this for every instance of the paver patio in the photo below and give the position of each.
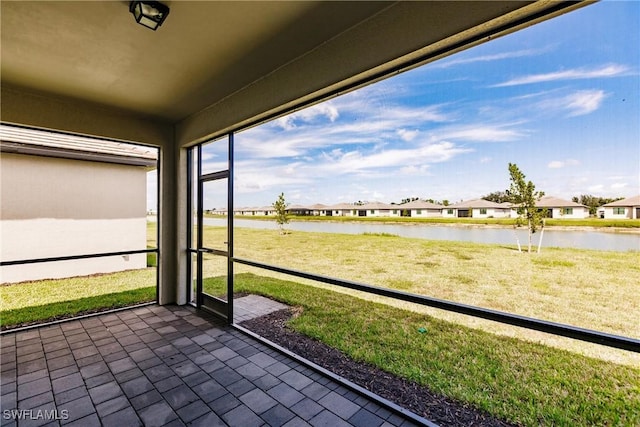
(167, 366)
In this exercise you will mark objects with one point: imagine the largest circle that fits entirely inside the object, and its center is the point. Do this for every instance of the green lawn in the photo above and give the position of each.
(559, 284)
(522, 382)
(45, 300)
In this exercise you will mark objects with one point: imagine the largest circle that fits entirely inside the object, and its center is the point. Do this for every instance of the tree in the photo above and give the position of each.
(594, 202)
(525, 198)
(498, 197)
(280, 206)
(409, 199)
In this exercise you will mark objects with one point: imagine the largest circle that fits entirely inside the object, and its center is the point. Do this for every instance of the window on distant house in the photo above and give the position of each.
(372, 212)
(419, 211)
(483, 211)
(449, 211)
(568, 211)
(619, 211)
(395, 211)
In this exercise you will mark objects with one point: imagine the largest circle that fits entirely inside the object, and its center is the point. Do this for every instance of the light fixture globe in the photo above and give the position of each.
(151, 14)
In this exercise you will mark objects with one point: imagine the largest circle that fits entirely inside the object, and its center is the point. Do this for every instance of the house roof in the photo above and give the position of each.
(477, 203)
(342, 206)
(376, 205)
(555, 202)
(318, 206)
(26, 141)
(298, 208)
(420, 204)
(629, 201)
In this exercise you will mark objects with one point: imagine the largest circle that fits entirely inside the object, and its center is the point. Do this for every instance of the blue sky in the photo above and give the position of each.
(560, 99)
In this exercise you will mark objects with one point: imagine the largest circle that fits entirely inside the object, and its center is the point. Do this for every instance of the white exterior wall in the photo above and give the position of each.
(453, 214)
(55, 207)
(609, 213)
(491, 213)
(426, 213)
(431, 213)
(46, 237)
(475, 213)
(501, 213)
(578, 213)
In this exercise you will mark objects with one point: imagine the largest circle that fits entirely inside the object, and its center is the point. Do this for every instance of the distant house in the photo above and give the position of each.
(376, 209)
(562, 209)
(299, 210)
(67, 195)
(341, 209)
(252, 211)
(320, 210)
(220, 211)
(628, 208)
(266, 210)
(420, 209)
(477, 208)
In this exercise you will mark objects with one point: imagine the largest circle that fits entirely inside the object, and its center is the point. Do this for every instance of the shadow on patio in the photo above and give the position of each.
(167, 365)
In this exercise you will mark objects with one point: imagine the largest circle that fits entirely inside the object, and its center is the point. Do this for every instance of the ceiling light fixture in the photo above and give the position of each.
(151, 14)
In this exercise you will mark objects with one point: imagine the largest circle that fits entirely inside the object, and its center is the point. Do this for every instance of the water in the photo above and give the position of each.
(583, 239)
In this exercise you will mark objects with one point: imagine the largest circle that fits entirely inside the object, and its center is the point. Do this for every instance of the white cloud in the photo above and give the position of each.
(307, 115)
(557, 164)
(298, 134)
(576, 104)
(415, 170)
(407, 135)
(489, 58)
(481, 133)
(356, 160)
(606, 71)
(619, 185)
(485, 159)
(584, 102)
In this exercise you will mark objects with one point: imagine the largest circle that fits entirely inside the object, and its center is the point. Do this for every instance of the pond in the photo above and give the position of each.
(580, 239)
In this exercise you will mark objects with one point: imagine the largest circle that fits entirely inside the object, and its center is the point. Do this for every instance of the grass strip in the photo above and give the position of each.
(45, 300)
(522, 382)
(559, 284)
(66, 309)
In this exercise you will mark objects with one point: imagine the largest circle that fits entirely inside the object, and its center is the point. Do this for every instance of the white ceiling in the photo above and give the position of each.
(205, 50)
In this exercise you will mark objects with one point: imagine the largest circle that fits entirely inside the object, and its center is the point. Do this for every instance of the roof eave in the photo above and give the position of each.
(34, 150)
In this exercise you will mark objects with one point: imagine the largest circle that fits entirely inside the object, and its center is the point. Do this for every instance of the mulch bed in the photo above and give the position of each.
(418, 399)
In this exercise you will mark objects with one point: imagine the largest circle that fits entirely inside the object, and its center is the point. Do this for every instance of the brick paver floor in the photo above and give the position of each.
(166, 366)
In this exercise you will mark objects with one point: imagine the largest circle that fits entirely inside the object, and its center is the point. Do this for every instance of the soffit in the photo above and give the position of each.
(205, 51)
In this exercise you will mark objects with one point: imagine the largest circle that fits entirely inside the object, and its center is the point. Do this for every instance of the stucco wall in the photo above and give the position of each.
(608, 213)
(578, 213)
(57, 207)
